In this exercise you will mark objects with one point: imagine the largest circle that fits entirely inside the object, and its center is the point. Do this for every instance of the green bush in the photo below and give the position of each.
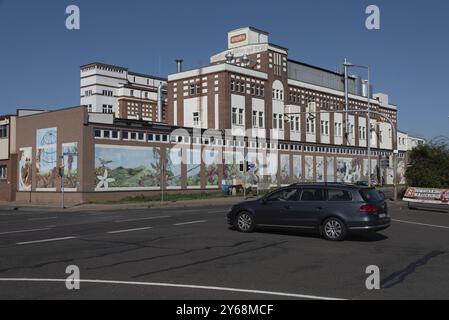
(429, 166)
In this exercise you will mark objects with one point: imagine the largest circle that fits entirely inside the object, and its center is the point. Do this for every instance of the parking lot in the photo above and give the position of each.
(191, 253)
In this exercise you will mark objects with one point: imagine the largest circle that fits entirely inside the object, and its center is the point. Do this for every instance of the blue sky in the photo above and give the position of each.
(40, 58)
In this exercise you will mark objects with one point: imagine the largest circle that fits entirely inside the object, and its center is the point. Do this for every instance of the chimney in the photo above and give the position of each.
(179, 65)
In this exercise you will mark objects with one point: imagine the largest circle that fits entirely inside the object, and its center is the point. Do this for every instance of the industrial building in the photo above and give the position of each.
(136, 134)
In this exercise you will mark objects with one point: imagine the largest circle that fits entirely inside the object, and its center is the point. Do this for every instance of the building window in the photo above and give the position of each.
(232, 85)
(240, 122)
(89, 108)
(3, 173)
(255, 119)
(294, 124)
(131, 93)
(325, 128)
(107, 93)
(234, 115)
(88, 93)
(338, 129)
(261, 125)
(4, 131)
(275, 120)
(281, 121)
(310, 126)
(107, 108)
(196, 119)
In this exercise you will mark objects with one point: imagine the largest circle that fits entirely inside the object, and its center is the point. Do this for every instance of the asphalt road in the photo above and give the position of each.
(192, 254)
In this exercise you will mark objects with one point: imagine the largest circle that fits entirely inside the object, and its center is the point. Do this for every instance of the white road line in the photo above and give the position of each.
(129, 230)
(143, 219)
(421, 224)
(174, 285)
(45, 240)
(24, 231)
(40, 219)
(190, 222)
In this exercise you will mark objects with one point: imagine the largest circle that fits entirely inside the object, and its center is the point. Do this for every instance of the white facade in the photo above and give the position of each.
(102, 86)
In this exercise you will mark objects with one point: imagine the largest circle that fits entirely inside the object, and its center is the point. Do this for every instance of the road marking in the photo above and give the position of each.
(190, 222)
(421, 224)
(142, 219)
(129, 230)
(24, 231)
(174, 285)
(45, 240)
(39, 219)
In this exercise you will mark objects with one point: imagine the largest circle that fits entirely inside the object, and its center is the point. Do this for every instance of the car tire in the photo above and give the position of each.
(245, 222)
(334, 229)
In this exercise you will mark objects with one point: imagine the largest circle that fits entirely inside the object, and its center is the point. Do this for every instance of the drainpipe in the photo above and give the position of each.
(160, 101)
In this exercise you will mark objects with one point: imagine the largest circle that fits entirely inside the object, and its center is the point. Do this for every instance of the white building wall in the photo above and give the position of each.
(193, 105)
(259, 106)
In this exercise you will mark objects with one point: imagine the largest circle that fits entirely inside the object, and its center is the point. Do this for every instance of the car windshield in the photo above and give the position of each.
(371, 195)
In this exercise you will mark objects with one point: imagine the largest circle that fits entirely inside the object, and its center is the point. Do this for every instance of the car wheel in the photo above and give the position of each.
(244, 222)
(334, 229)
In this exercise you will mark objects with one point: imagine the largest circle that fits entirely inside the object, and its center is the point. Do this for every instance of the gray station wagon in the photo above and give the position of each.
(332, 210)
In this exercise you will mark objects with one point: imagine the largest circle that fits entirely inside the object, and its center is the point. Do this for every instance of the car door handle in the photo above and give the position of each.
(319, 208)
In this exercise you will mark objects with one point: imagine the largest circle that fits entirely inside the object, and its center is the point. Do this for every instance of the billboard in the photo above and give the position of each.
(427, 195)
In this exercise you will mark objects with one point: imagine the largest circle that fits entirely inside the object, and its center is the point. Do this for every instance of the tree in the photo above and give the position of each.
(429, 166)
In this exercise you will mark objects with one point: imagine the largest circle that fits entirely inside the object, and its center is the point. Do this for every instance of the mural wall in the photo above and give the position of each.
(211, 160)
(253, 176)
(194, 168)
(330, 169)
(127, 168)
(272, 169)
(319, 169)
(309, 170)
(25, 169)
(285, 169)
(173, 165)
(70, 155)
(297, 169)
(46, 160)
(349, 170)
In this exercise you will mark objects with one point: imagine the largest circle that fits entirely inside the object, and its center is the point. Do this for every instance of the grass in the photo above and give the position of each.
(167, 198)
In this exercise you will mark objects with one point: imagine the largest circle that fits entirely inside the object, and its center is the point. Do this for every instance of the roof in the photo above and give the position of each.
(252, 29)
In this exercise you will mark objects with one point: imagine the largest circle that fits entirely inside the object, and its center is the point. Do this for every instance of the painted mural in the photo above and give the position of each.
(401, 171)
(46, 159)
(319, 169)
(272, 169)
(330, 169)
(173, 165)
(194, 168)
(285, 169)
(297, 169)
(211, 161)
(70, 155)
(25, 169)
(127, 168)
(348, 170)
(253, 175)
(309, 169)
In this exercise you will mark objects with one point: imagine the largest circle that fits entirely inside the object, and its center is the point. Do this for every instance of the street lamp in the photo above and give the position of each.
(346, 65)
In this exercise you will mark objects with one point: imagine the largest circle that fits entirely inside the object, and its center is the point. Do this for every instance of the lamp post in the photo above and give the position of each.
(346, 65)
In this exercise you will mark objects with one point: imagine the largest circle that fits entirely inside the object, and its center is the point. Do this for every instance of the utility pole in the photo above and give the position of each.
(346, 65)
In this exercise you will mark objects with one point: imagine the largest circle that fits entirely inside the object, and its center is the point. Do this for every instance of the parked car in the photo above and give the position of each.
(332, 210)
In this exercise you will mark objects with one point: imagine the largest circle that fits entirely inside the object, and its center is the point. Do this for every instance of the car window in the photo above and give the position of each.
(284, 195)
(371, 195)
(338, 195)
(313, 195)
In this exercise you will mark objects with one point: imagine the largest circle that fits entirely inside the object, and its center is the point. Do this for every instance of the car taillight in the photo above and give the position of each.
(369, 208)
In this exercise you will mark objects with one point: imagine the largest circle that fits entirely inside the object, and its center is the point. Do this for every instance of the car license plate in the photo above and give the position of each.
(382, 216)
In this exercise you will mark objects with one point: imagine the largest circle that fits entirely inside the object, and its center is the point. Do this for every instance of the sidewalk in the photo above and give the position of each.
(14, 206)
